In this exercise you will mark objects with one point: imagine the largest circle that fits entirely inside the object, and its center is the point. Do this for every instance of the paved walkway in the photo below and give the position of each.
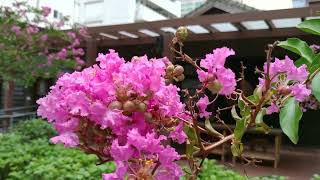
(295, 163)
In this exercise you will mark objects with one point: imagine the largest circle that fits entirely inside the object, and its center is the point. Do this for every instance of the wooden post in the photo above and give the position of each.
(91, 52)
(166, 41)
(8, 94)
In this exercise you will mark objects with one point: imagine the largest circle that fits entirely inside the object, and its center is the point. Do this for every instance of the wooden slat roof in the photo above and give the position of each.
(277, 23)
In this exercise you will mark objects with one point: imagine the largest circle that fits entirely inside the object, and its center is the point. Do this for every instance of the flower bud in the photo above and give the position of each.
(141, 107)
(170, 68)
(168, 81)
(128, 106)
(182, 33)
(181, 77)
(178, 70)
(284, 90)
(148, 116)
(115, 105)
(215, 86)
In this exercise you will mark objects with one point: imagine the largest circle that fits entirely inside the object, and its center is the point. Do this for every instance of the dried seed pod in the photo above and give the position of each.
(181, 77)
(129, 106)
(115, 105)
(178, 70)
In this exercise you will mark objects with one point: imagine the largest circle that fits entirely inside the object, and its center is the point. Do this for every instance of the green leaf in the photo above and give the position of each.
(236, 149)
(315, 86)
(301, 61)
(191, 133)
(299, 47)
(259, 118)
(234, 113)
(311, 26)
(211, 130)
(290, 116)
(240, 129)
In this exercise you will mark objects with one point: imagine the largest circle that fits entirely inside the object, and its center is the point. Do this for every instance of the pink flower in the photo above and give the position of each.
(45, 11)
(300, 91)
(44, 37)
(32, 29)
(227, 79)
(71, 35)
(273, 108)
(68, 139)
(217, 59)
(202, 105)
(91, 99)
(62, 54)
(77, 52)
(16, 29)
(217, 73)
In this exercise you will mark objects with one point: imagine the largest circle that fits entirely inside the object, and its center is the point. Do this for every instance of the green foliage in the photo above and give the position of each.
(299, 47)
(315, 86)
(272, 177)
(315, 177)
(311, 26)
(212, 171)
(34, 129)
(290, 116)
(32, 157)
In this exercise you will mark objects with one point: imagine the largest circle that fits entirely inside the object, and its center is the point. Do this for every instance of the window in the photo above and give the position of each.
(55, 14)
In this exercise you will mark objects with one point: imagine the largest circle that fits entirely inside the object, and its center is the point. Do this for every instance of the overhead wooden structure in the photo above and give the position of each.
(256, 24)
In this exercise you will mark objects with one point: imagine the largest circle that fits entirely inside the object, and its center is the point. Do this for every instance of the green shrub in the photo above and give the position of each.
(26, 154)
(34, 129)
(315, 177)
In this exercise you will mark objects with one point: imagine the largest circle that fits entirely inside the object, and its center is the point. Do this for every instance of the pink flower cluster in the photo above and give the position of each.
(120, 111)
(287, 78)
(218, 77)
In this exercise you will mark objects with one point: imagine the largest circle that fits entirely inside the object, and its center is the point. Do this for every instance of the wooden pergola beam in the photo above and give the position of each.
(210, 19)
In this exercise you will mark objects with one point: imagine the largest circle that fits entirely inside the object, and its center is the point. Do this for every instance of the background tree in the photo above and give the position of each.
(31, 46)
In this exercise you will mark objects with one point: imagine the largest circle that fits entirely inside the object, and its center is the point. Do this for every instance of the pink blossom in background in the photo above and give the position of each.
(76, 42)
(77, 52)
(71, 35)
(202, 105)
(83, 32)
(16, 29)
(62, 54)
(45, 11)
(44, 37)
(32, 29)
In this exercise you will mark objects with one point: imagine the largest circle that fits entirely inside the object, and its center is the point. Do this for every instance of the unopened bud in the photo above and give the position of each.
(115, 105)
(148, 116)
(215, 86)
(182, 33)
(284, 90)
(170, 68)
(168, 81)
(181, 77)
(178, 70)
(141, 107)
(128, 106)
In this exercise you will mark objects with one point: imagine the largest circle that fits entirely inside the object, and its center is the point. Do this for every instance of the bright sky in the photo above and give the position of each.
(269, 4)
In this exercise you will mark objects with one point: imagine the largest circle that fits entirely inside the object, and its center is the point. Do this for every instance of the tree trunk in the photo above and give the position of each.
(8, 94)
